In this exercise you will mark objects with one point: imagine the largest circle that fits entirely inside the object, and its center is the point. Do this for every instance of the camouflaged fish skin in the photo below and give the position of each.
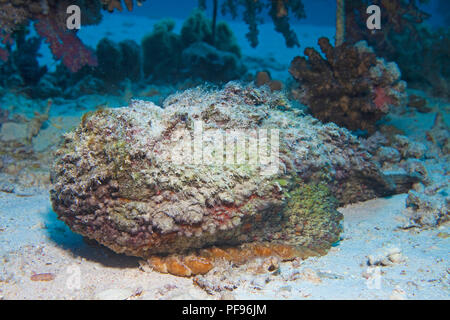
(117, 178)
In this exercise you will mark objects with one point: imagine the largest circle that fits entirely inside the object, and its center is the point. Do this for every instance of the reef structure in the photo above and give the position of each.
(349, 85)
(137, 180)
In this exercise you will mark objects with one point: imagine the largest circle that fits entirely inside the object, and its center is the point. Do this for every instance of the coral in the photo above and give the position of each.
(130, 179)
(423, 62)
(264, 78)
(169, 56)
(112, 5)
(64, 44)
(443, 8)
(131, 61)
(396, 16)
(419, 103)
(196, 28)
(50, 24)
(206, 62)
(25, 60)
(253, 11)
(49, 17)
(350, 86)
(161, 51)
(21, 67)
(117, 62)
(225, 40)
(420, 52)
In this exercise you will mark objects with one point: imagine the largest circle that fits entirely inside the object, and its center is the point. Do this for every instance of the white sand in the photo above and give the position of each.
(38, 243)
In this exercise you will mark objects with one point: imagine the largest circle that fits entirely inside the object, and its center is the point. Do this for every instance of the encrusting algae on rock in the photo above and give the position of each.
(132, 179)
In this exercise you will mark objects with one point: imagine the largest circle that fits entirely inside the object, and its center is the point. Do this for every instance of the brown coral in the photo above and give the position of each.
(252, 10)
(420, 50)
(396, 16)
(350, 87)
(112, 5)
(264, 78)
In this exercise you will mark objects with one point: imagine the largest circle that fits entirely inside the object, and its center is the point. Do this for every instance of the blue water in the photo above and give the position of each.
(319, 12)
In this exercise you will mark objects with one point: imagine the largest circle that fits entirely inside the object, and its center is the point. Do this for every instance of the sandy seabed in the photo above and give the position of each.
(34, 242)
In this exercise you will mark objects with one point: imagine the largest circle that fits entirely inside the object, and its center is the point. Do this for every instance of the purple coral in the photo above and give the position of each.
(65, 44)
(50, 16)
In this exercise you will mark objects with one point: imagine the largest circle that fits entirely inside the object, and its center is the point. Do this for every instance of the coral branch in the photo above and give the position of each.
(351, 87)
(65, 44)
(252, 15)
(50, 16)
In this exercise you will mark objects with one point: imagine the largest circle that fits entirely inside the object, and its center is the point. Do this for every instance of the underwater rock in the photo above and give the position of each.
(145, 180)
(428, 207)
(118, 61)
(386, 257)
(192, 53)
(46, 88)
(350, 86)
(419, 103)
(264, 78)
(206, 62)
(388, 154)
(408, 148)
(439, 134)
(85, 86)
(161, 51)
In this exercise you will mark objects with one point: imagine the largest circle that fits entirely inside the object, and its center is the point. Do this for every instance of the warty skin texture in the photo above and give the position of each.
(115, 181)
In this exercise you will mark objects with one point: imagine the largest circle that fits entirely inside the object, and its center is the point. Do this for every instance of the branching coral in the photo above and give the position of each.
(396, 16)
(50, 22)
(65, 45)
(50, 17)
(350, 87)
(278, 10)
(420, 52)
(112, 5)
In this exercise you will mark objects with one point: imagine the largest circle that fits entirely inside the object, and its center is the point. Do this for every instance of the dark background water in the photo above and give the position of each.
(319, 12)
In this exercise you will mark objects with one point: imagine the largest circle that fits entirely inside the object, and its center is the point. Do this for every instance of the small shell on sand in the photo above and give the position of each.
(43, 277)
